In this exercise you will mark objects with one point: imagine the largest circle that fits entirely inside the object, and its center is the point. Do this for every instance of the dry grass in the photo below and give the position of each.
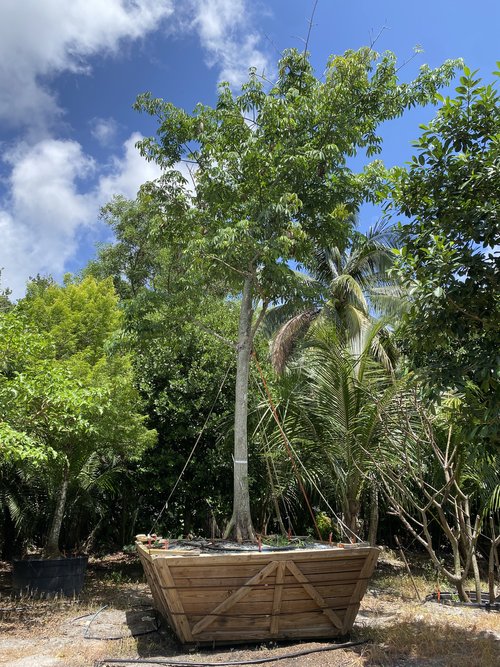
(400, 631)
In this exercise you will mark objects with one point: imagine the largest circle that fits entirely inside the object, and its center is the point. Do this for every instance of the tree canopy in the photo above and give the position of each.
(269, 180)
(449, 257)
(65, 392)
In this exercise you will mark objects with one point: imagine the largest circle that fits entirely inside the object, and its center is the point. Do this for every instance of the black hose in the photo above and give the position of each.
(116, 638)
(256, 661)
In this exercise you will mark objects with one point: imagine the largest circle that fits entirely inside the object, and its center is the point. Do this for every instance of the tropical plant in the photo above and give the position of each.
(439, 478)
(349, 286)
(450, 193)
(269, 181)
(333, 418)
(65, 391)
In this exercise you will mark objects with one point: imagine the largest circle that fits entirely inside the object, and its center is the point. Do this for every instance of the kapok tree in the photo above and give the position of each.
(269, 181)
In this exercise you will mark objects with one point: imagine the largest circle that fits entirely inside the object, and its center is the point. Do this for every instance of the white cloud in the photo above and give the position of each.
(104, 130)
(224, 29)
(39, 38)
(44, 212)
(54, 189)
(127, 173)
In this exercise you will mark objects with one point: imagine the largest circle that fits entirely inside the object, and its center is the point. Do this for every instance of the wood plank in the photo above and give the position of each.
(360, 589)
(299, 555)
(255, 609)
(313, 593)
(229, 582)
(156, 592)
(226, 636)
(193, 599)
(235, 597)
(173, 601)
(214, 570)
(243, 570)
(173, 553)
(278, 594)
(332, 565)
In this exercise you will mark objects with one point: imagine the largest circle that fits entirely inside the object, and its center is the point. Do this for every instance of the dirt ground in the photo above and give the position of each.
(113, 620)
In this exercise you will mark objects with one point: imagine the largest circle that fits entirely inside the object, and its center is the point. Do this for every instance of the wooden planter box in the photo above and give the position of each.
(252, 596)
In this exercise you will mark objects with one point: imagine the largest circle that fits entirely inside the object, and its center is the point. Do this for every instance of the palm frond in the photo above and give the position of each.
(286, 339)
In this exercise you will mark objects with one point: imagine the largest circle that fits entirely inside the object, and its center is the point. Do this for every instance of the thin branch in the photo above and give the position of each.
(218, 259)
(228, 342)
(310, 21)
(260, 317)
(374, 41)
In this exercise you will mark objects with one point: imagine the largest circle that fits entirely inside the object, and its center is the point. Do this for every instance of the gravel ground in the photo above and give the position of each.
(116, 604)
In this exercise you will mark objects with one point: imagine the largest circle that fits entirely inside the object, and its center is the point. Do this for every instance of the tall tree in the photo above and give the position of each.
(269, 181)
(451, 193)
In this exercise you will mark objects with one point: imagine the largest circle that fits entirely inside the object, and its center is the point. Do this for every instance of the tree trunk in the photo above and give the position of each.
(352, 507)
(477, 578)
(240, 526)
(52, 547)
(374, 516)
(492, 561)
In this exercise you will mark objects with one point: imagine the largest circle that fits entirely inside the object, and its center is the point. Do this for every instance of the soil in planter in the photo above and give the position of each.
(222, 547)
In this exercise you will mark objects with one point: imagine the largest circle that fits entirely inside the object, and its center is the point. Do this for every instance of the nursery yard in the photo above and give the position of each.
(397, 630)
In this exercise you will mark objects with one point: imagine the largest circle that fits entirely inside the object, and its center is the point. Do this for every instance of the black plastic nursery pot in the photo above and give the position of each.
(47, 577)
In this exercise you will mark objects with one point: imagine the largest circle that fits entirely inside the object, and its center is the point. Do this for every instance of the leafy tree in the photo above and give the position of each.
(269, 182)
(66, 391)
(450, 192)
(5, 292)
(180, 366)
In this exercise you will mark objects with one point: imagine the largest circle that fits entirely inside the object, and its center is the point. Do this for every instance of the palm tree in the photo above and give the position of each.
(349, 286)
(333, 418)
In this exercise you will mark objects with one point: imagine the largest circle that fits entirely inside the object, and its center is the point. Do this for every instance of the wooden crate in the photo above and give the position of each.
(252, 596)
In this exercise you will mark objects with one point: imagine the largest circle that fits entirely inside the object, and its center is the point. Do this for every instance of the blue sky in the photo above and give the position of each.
(70, 72)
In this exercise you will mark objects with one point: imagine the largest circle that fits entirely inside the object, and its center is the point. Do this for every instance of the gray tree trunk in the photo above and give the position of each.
(374, 515)
(52, 547)
(240, 526)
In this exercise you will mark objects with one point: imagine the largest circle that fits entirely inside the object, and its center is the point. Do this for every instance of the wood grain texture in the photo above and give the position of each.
(238, 597)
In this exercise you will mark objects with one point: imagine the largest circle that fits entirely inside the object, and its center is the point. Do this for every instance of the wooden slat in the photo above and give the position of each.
(278, 594)
(360, 589)
(215, 571)
(254, 608)
(227, 583)
(332, 565)
(173, 601)
(313, 593)
(173, 553)
(156, 591)
(195, 599)
(247, 570)
(234, 598)
(353, 551)
(226, 636)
